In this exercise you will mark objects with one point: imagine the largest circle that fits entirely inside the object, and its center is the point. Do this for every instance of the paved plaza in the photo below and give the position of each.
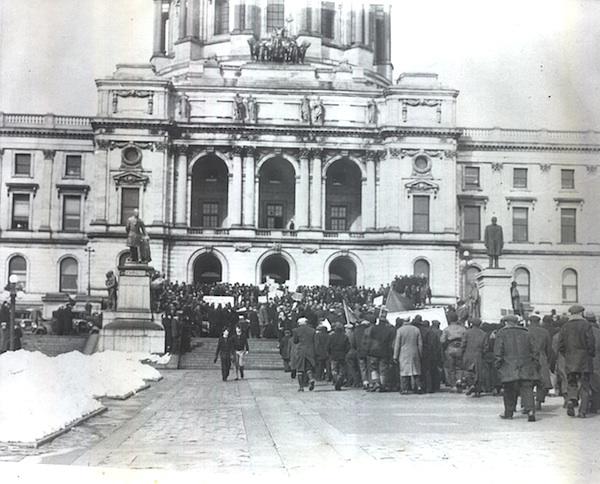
(192, 422)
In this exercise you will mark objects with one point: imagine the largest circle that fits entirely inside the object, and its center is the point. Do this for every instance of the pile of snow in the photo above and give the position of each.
(41, 395)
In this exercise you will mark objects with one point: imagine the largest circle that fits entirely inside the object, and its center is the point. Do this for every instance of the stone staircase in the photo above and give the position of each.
(263, 355)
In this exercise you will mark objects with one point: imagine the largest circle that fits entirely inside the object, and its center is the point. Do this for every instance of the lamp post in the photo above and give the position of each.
(13, 280)
(89, 250)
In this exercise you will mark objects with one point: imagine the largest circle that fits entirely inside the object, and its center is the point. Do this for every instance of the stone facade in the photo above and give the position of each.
(326, 171)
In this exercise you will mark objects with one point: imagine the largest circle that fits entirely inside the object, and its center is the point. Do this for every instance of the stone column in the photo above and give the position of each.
(368, 194)
(100, 189)
(48, 175)
(181, 164)
(358, 25)
(193, 18)
(302, 191)
(316, 18)
(249, 188)
(316, 191)
(182, 18)
(388, 35)
(158, 40)
(234, 203)
(238, 15)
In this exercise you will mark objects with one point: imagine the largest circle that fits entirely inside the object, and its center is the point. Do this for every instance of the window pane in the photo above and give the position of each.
(520, 224)
(520, 178)
(274, 216)
(420, 214)
(471, 223)
(471, 177)
(327, 19)
(68, 275)
(72, 213)
(567, 179)
(23, 164)
(569, 286)
(522, 280)
(275, 14)
(221, 17)
(20, 215)
(568, 225)
(338, 220)
(421, 268)
(130, 200)
(73, 165)
(210, 214)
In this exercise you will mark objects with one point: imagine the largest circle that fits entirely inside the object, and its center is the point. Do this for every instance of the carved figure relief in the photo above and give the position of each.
(318, 112)
(372, 112)
(278, 48)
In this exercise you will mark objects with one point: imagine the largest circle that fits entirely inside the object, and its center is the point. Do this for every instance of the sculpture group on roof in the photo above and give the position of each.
(278, 48)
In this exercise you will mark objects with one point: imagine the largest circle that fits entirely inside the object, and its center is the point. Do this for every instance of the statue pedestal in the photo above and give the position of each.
(132, 327)
(494, 291)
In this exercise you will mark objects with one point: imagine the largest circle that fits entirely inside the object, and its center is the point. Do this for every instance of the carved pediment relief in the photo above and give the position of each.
(422, 186)
(131, 178)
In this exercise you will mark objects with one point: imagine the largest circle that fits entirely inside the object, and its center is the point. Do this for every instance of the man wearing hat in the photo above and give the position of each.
(473, 342)
(304, 339)
(543, 346)
(576, 343)
(595, 377)
(517, 365)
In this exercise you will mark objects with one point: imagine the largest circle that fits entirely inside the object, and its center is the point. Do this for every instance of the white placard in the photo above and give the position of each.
(218, 300)
(428, 314)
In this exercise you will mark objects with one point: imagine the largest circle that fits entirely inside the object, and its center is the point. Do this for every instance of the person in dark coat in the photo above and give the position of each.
(360, 345)
(380, 352)
(437, 370)
(517, 365)
(323, 365)
(166, 323)
(576, 343)
(284, 350)
(543, 346)
(337, 348)
(240, 349)
(428, 357)
(4, 337)
(595, 377)
(225, 351)
(451, 340)
(254, 324)
(473, 343)
(304, 339)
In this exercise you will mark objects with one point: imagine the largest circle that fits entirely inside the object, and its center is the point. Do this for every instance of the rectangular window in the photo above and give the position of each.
(471, 223)
(568, 232)
(338, 219)
(274, 216)
(328, 20)
(23, 164)
(520, 224)
(567, 179)
(20, 212)
(210, 214)
(379, 35)
(72, 213)
(520, 178)
(130, 200)
(73, 166)
(221, 17)
(275, 15)
(420, 214)
(471, 177)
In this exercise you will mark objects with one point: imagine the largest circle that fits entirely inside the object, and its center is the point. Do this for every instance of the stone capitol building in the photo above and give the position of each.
(272, 138)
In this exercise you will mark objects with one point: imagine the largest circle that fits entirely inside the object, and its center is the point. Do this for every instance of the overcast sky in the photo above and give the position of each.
(517, 63)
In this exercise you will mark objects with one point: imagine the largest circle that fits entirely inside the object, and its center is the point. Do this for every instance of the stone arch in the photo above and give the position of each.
(277, 178)
(207, 251)
(269, 156)
(344, 187)
(332, 160)
(287, 257)
(430, 266)
(208, 184)
(360, 272)
(27, 267)
(206, 153)
(59, 263)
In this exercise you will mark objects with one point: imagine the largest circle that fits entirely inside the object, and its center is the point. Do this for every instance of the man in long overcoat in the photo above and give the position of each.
(451, 340)
(473, 345)
(494, 242)
(517, 365)
(595, 379)
(380, 348)
(408, 348)
(304, 338)
(136, 230)
(360, 345)
(543, 346)
(576, 343)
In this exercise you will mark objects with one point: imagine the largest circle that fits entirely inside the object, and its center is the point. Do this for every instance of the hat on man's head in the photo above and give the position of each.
(511, 318)
(576, 309)
(534, 318)
(590, 316)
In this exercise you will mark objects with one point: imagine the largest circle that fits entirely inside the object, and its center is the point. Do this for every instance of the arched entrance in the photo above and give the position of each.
(207, 269)
(277, 192)
(343, 196)
(209, 192)
(276, 267)
(342, 272)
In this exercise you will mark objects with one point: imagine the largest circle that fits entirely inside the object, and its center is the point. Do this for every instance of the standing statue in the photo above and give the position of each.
(515, 298)
(474, 301)
(494, 242)
(318, 112)
(252, 109)
(239, 110)
(372, 112)
(305, 111)
(183, 106)
(111, 286)
(136, 237)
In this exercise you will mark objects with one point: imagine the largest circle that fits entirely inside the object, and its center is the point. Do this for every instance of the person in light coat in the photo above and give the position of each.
(408, 347)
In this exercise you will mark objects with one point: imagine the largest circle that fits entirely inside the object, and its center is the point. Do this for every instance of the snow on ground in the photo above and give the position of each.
(40, 395)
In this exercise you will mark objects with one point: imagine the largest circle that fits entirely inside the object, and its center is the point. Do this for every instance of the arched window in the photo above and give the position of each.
(342, 272)
(522, 279)
(421, 269)
(18, 266)
(275, 267)
(207, 269)
(569, 286)
(69, 271)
